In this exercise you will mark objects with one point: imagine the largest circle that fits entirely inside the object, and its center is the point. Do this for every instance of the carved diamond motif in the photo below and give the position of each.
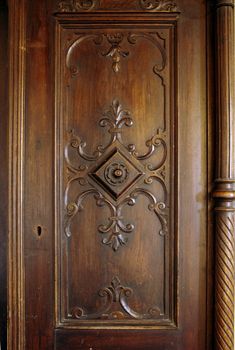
(117, 172)
(114, 176)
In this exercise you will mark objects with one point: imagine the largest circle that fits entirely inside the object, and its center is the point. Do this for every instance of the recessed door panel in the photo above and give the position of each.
(116, 120)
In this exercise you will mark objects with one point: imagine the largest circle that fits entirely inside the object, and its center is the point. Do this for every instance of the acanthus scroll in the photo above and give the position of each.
(120, 169)
(113, 294)
(115, 229)
(158, 5)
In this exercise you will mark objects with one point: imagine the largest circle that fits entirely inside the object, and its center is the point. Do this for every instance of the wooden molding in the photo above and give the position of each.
(224, 193)
(16, 135)
(224, 3)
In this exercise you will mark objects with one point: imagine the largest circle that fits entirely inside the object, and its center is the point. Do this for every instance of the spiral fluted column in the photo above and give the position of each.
(224, 192)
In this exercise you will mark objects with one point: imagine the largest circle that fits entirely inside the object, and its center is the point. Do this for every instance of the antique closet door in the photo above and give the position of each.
(111, 175)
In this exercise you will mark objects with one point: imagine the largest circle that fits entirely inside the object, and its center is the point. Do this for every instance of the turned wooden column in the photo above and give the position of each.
(224, 192)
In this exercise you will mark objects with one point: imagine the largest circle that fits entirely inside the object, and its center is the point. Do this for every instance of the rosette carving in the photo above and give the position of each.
(116, 173)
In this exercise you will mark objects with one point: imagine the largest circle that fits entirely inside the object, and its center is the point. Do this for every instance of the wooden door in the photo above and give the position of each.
(112, 173)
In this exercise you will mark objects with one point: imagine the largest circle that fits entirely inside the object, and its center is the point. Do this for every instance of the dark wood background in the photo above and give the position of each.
(4, 169)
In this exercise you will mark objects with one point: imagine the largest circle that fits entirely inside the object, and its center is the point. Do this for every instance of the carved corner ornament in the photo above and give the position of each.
(158, 5)
(77, 5)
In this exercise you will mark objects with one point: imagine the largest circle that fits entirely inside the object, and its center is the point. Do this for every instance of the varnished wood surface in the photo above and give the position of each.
(4, 171)
(68, 86)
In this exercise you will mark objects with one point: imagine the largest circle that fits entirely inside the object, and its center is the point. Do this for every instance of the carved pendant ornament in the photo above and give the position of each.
(117, 50)
(115, 177)
(111, 295)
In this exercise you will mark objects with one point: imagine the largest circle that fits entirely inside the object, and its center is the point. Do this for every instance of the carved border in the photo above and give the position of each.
(17, 58)
(76, 6)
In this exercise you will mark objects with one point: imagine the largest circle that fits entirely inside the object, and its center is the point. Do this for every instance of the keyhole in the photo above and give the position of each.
(39, 231)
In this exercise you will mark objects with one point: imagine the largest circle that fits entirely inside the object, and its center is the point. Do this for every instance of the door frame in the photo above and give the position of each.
(223, 191)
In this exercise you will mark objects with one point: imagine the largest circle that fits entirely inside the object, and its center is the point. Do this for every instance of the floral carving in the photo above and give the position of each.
(158, 5)
(115, 293)
(117, 170)
(76, 5)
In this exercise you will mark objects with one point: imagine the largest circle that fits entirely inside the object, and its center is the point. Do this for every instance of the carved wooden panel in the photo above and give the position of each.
(116, 5)
(115, 182)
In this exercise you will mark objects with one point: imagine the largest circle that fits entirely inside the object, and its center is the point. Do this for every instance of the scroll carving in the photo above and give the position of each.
(116, 51)
(116, 172)
(114, 119)
(116, 293)
(158, 5)
(89, 5)
(76, 5)
(116, 228)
